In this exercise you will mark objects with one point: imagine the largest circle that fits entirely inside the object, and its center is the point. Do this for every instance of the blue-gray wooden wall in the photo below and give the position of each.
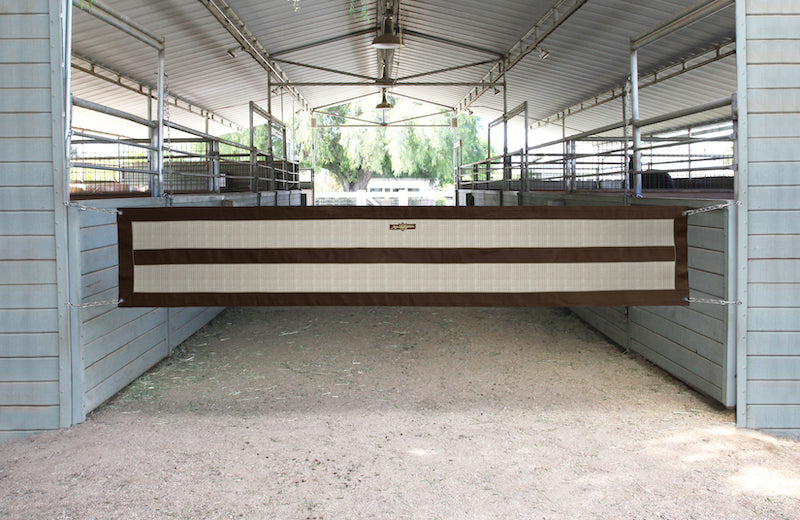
(34, 359)
(118, 344)
(692, 343)
(769, 93)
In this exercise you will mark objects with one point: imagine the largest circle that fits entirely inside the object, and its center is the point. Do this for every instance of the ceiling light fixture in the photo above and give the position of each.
(384, 103)
(543, 53)
(233, 51)
(388, 39)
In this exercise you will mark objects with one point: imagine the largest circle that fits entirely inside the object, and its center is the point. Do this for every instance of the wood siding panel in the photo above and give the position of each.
(107, 344)
(773, 7)
(783, 417)
(26, 148)
(774, 246)
(29, 320)
(24, 51)
(109, 365)
(25, 125)
(28, 296)
(25, 199)
(110, 386)
(29, 393)
(777, 101)
(782, 343)
(773, 271)
(26, 223)
(28, 418)
(774, 125)
(24, 101)
(774, 174)
(184, 324)
(774, 320)
(28, 369)
(772, 392)
(26, 174)
(775, 295)
(32, 344)
(770, 26)
(27, 247)
(24, 272)
(21, 27)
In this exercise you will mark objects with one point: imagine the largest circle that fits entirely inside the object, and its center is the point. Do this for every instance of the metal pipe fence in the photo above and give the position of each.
(698, 156)
(195, 162)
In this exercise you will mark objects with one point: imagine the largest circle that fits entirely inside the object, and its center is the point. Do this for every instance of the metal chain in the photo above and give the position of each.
(712, 301)
(92, 208)
(705, 209)
(99, 303)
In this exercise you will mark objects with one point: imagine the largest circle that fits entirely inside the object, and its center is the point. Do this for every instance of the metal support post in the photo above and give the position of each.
(523, 172)
(253, 156)
(506, 158)
(637, 130)
(158, 186)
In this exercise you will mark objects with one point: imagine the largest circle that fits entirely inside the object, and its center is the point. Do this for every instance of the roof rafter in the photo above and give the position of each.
(237, 28)
(105, 73)
(547, 24)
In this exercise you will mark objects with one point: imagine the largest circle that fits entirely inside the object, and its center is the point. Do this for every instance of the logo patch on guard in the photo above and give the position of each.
(401, 226)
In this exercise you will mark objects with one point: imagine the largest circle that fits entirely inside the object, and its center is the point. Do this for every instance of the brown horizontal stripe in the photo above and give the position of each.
(404, 255)
(401, 213)
(553, 299)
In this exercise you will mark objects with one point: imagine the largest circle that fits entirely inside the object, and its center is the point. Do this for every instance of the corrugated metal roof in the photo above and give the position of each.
(588, 53)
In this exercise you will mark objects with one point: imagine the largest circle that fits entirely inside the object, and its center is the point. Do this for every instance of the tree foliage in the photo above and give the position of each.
(357, 153)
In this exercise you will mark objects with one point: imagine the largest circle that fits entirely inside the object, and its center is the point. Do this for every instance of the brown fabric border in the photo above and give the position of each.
(557, 299)
(681, 226)
(403, 213)
(404, 255)
(125, 255)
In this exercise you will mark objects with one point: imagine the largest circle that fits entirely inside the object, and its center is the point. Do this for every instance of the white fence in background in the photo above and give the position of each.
(395, 198)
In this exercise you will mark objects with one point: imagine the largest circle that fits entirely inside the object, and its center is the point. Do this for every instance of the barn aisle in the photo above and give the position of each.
(395, 413)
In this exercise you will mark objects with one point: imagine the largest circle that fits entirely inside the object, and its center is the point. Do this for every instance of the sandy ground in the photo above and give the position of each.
(400, 413)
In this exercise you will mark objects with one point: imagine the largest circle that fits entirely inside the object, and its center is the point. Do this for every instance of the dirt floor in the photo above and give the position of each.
(401, 413)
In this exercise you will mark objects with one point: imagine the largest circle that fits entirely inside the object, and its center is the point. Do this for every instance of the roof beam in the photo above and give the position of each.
(688, 64)
(547, 24)
(448, 69)
(409, 32)
(693, 13)
(324, 69)
(94, 69)
(385, 84)
(324, 42)
(237, 28)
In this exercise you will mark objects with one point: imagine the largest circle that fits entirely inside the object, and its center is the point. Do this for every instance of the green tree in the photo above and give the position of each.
(357, 153)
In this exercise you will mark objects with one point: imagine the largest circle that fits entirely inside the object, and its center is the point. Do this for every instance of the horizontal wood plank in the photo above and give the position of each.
(25, 199)
(767, 100)
(29, 50)
(27, 248)
(23, 26)
(117, 360)
(771, 26)
(24, 223)
(26, 174)
(29, 393)
(29, 345)
(711, 349)
(24, 272)
(117, 338)
(772, 392)
(29, 320)
(773, 343)
(29, 369)
(29, 418)
(773, 319)
(773, 271)
(23, 101)
(773, 173)
(778, 416)
(28, 296)
(774, 295)
(773, 368)
(36, 149)
(774, 246)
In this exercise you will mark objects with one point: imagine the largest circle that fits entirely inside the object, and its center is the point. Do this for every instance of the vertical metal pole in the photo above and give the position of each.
(253, 155)
(637, 131)
(523, 185)
(313, 161)
(271, 158)
(67, 32)
(625, 169)
(506, 159)
(564, 166)
(158, 186)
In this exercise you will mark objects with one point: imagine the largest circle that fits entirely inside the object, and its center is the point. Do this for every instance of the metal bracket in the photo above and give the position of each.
(705, 209)
(100, 303)
(712, 301)
(92, 208)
